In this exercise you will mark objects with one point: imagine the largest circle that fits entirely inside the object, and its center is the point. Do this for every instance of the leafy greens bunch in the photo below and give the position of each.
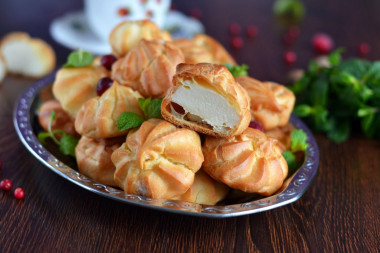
(338, 99)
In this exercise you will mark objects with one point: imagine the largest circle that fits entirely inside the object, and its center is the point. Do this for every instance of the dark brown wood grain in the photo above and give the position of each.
(340, 212)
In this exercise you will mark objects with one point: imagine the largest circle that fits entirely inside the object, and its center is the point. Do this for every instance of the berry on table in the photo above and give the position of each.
(237, 43)
(290, 57)
(322, 43)
(294, 32)
(103, 85)
(234, 29)
(19, 193)
(107, 61)
(291, 35)
(6, 185)
(256, 125)
(251, 31)
(364, 49)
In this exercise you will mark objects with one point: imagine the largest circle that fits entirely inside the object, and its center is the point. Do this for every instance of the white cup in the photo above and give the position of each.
(102, 15)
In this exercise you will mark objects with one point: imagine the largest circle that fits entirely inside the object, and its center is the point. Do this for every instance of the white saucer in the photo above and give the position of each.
(72, 31)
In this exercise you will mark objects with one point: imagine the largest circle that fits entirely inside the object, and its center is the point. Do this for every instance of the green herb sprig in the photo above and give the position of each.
(298, 143)
(79, 59)
(237, 70)
(66, 143)
(150, 107)
(341, 98)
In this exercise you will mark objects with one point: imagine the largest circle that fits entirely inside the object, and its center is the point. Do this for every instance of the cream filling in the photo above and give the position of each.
(206, 106)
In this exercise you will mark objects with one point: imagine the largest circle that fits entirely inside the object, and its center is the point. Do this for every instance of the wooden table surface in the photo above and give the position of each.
(339, 212)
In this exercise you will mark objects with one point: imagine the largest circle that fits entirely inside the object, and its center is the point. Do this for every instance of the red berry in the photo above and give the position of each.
(196, 13)
(6, 185)
(290, 57)
(256, 125)
(251, 31)
(237, 43)
(288, 39)
(234, 29)
(123, 12)
(322, 43)
(103, 85)
(364, 49)
(107, 61)
(19, 193)
(291, 35)
(293, 32)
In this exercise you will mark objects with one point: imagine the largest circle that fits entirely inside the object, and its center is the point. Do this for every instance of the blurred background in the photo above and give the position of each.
(264, 53)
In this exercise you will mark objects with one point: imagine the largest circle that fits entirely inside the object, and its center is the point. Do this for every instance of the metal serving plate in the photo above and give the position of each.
(24, 119)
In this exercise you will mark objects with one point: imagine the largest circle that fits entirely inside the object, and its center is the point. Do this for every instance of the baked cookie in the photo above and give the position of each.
(158, 160)
(206, 98)
(250, 162)
(271, 103)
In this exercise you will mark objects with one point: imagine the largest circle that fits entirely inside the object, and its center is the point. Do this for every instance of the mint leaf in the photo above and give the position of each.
(303, 110)
(128, 120)
(298, 140)
(237, 70)
(340, 132)
(68, 144)
(291, 161)
(42, 136)
(143, 103)
(335, 57)
(355, 67)
(79, 59)
(151, 108)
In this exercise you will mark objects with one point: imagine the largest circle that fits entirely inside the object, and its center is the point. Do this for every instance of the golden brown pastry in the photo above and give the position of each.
(62, 121)
(75, 86)
(192, 52)
(250, 162)
(218, 52)
(203, 48)
(158, 160)
(94, 158)
(282, 134)
(127, 34)
(97, 118)
(27, 56)
(204, 190)
(206, 98)
(148, 68)
(271, 103)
